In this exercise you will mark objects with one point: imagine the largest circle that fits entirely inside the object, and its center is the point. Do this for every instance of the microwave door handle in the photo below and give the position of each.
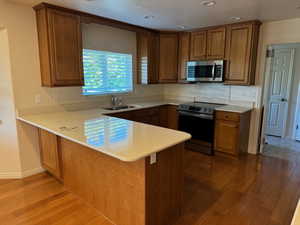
(213, 71)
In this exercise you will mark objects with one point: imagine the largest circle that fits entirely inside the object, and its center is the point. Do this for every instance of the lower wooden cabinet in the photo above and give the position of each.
(149, 116)
(50, 153)
(232, 132)
(164, 116)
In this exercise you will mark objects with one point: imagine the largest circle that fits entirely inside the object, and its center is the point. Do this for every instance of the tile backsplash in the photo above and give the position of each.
(213, 92)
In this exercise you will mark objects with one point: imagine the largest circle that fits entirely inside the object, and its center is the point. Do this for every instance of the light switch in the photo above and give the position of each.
(153, 158)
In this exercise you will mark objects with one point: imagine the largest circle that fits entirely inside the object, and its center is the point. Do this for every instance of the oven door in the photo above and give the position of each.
(201, 127)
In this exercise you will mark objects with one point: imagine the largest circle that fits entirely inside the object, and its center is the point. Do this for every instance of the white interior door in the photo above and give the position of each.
(279, 90)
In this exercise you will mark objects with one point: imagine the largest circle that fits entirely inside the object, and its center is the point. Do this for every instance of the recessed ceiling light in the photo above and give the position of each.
(236, 18)
(148, 17)
(208, 3)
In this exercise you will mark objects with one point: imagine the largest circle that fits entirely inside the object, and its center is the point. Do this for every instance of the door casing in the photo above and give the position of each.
(287, 96)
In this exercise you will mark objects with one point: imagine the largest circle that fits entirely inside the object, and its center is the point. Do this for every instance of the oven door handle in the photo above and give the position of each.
(201, 116)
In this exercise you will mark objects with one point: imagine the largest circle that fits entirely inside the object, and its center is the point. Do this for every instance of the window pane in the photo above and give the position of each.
(106, 72)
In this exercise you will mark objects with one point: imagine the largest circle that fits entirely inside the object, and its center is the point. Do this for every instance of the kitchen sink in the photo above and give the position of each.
(120, 107)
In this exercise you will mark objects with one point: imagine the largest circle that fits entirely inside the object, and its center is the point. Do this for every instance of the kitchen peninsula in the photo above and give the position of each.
(130, 172)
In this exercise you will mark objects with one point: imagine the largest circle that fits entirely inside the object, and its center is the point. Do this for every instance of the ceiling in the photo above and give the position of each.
(169, 14)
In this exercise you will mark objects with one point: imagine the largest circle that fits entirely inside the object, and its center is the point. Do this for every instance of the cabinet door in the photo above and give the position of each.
(227, 136)
(242, 43)
(123, 115)
(65, 48)
(183, 54)
(172, 117)
(168, 55)
(216, 43)
(50, 155)
(198, 45)
(147, 58)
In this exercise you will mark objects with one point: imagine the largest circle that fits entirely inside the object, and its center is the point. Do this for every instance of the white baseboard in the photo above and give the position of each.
(31, 172)
(11, 175)
(23, 174)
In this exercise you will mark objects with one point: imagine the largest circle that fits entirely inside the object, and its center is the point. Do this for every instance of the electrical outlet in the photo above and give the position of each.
(37, 99)
(153, 158)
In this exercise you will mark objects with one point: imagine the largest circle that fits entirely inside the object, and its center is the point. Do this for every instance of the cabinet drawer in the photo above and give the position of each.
(231, 116)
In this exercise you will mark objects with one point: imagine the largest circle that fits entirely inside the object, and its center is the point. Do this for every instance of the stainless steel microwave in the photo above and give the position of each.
(205, 71)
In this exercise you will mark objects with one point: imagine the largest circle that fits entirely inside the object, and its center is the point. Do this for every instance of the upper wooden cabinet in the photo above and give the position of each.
(208, 44)
(183, 54)
(242, 44)
(60, 46)
(198, 45)
(216, 43)
(168, 55)
(147, 57)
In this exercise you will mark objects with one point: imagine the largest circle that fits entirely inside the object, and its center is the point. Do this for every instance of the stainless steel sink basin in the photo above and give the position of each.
(120, 107)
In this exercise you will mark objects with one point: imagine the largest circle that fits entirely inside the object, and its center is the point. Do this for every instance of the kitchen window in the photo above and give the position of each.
(106, 72)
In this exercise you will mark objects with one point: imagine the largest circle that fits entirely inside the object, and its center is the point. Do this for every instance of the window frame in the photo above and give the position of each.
(113, 93)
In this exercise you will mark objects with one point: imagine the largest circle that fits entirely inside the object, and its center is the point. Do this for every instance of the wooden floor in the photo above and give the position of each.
(218, 191)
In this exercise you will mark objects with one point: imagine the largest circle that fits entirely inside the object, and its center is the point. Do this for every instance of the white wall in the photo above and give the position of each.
(9, 151)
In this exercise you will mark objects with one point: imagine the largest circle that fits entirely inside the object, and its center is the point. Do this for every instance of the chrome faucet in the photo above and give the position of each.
(116, 101)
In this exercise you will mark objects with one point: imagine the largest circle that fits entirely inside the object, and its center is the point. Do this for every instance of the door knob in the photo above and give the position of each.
(284, 100)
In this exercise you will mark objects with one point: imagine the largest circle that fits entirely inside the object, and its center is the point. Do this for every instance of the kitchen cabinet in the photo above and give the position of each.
(242, 44)
(232, 132)
(169, 116)
(149, 116)
(183, 54)
(198, 45)
(147, 57)
(173, 117)
(60, 47)
(50, 153)
(164, 116)
(168, 56)
(208, 44)
(216, 43)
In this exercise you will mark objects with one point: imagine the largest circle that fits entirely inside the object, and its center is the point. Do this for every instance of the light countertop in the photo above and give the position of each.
(234, 108)
(122, 139)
